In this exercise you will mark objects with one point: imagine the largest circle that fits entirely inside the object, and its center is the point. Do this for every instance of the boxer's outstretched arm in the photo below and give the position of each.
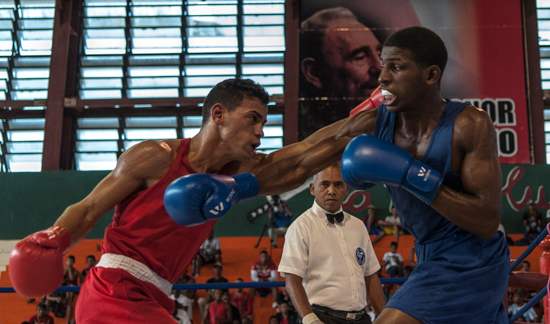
(145, 161)
(343, 131)
(291, 172)
(360, 122)
(260, 159)
(477, 210)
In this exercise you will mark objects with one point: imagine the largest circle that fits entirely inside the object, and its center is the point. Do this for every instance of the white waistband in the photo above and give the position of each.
(136, 269)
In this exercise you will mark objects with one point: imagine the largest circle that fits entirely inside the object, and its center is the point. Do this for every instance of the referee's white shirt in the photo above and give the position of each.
(332, 259)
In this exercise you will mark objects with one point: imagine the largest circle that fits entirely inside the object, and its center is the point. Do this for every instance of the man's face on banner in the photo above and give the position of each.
(352, 60)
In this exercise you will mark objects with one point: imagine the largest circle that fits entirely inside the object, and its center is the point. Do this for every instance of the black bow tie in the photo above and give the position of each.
(339, 217)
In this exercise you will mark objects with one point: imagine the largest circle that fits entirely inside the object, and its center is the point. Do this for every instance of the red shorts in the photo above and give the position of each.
(114, 296)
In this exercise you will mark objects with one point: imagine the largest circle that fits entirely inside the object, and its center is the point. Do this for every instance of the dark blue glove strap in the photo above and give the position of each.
(248, 185)
(423, 181)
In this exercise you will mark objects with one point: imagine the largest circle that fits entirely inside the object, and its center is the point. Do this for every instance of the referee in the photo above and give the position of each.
(328, 261)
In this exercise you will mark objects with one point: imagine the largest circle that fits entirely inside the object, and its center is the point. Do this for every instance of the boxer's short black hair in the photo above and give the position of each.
(231, 93)
(426, 47)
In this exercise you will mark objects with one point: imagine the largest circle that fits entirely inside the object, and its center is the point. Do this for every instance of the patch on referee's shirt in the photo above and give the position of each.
(360, 255)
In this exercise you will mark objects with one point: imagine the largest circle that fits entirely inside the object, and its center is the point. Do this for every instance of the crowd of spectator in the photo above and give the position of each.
(219, 306)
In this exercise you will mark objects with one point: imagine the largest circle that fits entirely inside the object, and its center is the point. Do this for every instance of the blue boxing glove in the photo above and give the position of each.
(196, 198)
(368, 159)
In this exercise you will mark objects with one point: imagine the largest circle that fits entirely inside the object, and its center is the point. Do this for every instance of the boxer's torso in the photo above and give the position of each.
(142, 230)
(420, 219)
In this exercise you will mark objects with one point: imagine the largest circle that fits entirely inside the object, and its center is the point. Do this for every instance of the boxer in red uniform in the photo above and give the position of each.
(144, 250)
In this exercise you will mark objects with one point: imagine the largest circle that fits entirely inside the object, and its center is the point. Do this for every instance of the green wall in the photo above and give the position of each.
(33, 201)
(30, 202)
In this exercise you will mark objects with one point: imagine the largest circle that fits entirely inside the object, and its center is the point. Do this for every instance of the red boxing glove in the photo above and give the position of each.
(375, 99)
(36, 263)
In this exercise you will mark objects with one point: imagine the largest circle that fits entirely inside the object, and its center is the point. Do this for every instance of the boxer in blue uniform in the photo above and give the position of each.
(439, 161)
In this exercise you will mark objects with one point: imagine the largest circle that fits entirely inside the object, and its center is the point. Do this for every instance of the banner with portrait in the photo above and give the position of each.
(340, 43)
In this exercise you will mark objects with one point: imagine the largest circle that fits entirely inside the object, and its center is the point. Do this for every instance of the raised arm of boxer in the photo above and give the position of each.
(260, 159)
(361, 121)
(291, 172)
(305, 158)
(196, 198)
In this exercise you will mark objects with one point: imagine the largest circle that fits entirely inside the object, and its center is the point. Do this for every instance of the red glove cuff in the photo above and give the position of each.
(55, 237)
(375, 99)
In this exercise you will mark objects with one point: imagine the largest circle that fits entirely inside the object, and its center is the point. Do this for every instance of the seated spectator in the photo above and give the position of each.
(244, 304)
(530, 316)
(180, 311)
(264, 270)
(218, 311)
(281, 219)
(90, 261)
(373, 224)
(209, 252)
(56, 302)
(205, 301)
(285, 315)
(185, 298)
(392, 224)
(532, 220)
(283, 296)
(526, 266)
(70, 277)
(273, 320)
(235, 316)
(393, 261)
(42, 316)
(70, 274)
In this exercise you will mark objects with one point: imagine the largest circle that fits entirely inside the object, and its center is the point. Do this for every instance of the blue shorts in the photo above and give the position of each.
(461, 279)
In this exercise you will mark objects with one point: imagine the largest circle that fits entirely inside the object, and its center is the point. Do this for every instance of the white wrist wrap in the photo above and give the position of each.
(310, 318)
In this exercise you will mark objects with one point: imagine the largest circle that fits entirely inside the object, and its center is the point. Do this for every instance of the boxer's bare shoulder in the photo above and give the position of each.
(473, 133)
(148, 160)
(470, 119)
(360, 123)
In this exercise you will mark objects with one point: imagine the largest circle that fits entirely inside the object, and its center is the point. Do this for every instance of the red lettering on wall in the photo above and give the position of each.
(514, 176)
(350, 204)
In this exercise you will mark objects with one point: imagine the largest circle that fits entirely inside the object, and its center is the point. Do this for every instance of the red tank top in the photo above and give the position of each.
(142, 230)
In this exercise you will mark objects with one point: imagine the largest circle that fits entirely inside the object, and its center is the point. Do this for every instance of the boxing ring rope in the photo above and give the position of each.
(530, 249)
(544, 269)
(231, 285)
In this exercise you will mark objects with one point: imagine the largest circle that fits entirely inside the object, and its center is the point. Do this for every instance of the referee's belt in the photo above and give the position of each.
(340, 314)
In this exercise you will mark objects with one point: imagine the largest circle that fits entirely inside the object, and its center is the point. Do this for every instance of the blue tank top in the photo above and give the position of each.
(421, 220)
